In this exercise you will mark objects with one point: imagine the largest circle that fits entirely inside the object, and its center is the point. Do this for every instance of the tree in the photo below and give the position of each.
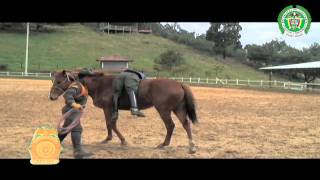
(257, 54)
(273, 53)
(169, 60)
(224, 35)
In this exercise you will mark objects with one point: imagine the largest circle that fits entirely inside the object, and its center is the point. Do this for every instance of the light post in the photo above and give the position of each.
(27, 49)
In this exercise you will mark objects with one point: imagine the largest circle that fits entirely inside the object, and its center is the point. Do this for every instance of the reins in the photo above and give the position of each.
(76, 121)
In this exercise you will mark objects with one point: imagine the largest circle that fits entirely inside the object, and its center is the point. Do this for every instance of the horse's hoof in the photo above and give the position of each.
(192, 150)
(161, 146)
(105, 141)
(124, 143)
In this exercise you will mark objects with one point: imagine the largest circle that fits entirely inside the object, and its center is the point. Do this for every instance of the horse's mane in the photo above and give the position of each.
(95, 74)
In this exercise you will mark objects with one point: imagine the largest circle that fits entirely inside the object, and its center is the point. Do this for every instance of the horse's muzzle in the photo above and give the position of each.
(52, 97)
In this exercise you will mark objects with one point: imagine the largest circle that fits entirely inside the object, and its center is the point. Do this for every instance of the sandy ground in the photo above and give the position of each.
(234, 123)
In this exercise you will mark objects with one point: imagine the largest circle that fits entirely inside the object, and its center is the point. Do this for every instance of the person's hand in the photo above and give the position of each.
(76, 106)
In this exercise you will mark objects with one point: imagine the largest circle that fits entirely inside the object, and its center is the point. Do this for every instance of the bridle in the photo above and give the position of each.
(59, 88)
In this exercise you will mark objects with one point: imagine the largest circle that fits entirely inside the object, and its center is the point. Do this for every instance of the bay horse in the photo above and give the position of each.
(165, 95)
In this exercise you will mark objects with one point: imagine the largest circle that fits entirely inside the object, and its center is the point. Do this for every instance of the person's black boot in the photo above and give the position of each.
(62, 136)
(134, 105)
(78, 151)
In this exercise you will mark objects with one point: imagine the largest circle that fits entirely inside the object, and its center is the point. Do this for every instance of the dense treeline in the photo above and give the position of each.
(37, 27)
(224, 39)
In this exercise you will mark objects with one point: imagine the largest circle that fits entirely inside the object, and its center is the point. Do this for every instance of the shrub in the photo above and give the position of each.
(169, 60)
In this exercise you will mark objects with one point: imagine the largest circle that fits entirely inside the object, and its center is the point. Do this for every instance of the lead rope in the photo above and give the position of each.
(64, 130)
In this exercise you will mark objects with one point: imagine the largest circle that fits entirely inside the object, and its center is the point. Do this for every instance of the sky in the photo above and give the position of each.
(259, 33)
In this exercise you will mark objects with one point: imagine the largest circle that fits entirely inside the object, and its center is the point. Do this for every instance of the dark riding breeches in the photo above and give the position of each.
(126, 80)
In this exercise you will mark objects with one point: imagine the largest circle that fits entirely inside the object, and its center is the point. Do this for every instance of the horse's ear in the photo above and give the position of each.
(71, 76)
(53, 73)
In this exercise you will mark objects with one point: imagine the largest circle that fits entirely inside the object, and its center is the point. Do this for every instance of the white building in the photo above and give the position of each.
(114, 63)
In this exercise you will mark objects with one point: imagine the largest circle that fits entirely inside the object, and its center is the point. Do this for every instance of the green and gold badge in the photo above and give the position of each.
(294, 21)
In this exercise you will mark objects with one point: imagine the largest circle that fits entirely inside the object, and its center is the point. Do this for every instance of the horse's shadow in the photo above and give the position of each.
(117, 148)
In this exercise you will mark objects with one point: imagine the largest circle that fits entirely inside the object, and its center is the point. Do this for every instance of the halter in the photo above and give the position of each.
(59, 88)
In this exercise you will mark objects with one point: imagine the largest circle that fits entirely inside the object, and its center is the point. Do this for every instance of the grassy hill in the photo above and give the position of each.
(75, 46)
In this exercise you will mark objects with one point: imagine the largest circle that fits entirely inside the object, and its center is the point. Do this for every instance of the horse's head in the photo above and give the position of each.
(61, 81)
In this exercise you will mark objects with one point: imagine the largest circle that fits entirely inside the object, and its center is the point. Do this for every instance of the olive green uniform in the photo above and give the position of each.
(70, 97)
(129, 80)
(73, 95)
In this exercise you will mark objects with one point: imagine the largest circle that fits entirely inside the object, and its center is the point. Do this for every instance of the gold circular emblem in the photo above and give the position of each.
(45, 147)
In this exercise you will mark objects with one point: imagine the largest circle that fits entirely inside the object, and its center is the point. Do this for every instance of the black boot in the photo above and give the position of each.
(115, 113)
(134, 105)
(78, 151)
(62, 136)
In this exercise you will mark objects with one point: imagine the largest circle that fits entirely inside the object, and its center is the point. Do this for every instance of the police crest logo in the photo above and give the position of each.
(294, 21)
(45, 147)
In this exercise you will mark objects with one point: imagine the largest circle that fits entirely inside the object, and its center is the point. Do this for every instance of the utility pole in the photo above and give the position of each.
(27, 49)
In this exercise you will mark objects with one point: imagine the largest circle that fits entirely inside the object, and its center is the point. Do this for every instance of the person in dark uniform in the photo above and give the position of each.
(128, 79)
(76, 97)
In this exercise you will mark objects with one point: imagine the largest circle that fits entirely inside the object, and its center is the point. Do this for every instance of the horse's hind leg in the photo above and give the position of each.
(181, 113)
(107, 115)
(115, 129)
(166, 118)
(111, 125)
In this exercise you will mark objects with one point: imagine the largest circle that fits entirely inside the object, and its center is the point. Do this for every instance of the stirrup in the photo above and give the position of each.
(136, 112)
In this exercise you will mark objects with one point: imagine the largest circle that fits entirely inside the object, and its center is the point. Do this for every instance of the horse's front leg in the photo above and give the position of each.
(107, 115)
(120, 136)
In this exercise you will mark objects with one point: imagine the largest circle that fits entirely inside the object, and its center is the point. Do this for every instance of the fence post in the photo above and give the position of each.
(182, 79)
(37, 75)
(7, 73)
(207, 80)
(216, 80)
(284, 85)
(306, 85)
(21, 73)
(190, 79)
(237, 82)
(198, 80)
(275, 83)
(261, 83)
(289, 85)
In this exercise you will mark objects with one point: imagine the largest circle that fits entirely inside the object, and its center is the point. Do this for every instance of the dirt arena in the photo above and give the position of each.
(234, 123)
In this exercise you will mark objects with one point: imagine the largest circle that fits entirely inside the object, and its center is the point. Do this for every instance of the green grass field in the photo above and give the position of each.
(75, 46)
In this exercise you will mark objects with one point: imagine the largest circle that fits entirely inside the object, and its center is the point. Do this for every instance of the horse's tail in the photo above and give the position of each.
(190, 106)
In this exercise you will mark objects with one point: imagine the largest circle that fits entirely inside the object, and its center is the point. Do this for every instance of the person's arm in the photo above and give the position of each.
(69, 98)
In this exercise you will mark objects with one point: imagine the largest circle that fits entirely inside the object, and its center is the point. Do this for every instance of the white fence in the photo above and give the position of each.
(249, 83)
(206, 81)
(22, 74)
